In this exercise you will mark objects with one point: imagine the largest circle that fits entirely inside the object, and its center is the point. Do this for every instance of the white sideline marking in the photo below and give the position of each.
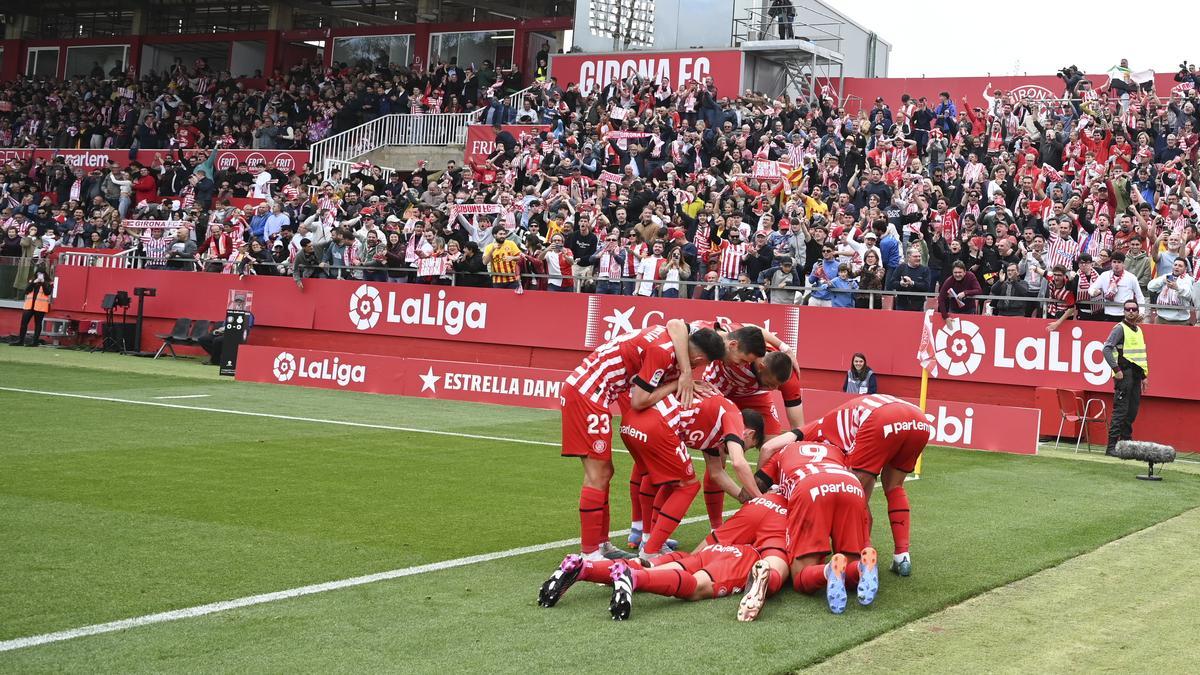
(366, 425)
(263, 598)
(290, 418)
(185, 396)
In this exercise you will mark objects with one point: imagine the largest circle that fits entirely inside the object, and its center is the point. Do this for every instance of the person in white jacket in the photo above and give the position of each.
(1174, 288)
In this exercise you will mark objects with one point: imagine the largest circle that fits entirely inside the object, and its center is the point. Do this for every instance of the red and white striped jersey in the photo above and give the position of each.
(732, 256)
(793, 457)
(792, 484)
(1061, 251)
(704, 425)
(647, 355)
(840, 426)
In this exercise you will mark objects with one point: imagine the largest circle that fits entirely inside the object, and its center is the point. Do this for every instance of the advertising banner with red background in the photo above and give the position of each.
(595, 71)
(956, 424)
(285, 160)
(481, 139)
(1030, 86)
(1001, 350)
(425, 378)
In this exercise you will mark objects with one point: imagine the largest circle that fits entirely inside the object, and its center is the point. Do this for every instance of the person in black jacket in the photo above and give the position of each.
(1014, 287)
(911, 276)
(470, 270)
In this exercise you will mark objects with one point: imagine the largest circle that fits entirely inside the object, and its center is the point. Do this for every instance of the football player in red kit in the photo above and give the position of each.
(716, 570)
(743, 346)
(826, 511)
(659, 438)
(882, 437)
(750, 386)
(762, 523)
(652, 362)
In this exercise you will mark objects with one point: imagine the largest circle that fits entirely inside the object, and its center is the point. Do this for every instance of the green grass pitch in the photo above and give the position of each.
(113, 510)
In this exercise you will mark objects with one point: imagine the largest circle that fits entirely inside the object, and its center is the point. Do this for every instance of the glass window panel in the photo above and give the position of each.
(369, 51)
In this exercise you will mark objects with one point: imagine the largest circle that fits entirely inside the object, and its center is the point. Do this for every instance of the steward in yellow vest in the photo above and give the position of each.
(1125, 352)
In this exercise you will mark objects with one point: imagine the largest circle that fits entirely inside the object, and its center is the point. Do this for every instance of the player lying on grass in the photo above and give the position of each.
(658, 439)
(648, 362)
(743, 345)
(882, 437)
(761, 522)
(716, 570)
(826, 511)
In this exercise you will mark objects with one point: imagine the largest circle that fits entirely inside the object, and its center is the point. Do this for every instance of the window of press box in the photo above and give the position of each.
(472, 49)
(373, 50)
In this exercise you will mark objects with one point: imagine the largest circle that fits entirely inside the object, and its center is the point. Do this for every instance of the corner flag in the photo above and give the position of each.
(928, 362)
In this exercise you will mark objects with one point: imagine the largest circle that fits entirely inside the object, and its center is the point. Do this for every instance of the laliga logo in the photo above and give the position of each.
(959, 347)
(365, 307)
(284, 367)
(959, 351)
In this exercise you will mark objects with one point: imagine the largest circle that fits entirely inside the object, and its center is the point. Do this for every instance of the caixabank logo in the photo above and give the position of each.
(962, 347)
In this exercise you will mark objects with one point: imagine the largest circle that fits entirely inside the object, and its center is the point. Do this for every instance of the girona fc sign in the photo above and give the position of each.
(1032, 91)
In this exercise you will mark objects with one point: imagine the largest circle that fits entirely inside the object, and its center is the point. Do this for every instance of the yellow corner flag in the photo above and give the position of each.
(928, 362)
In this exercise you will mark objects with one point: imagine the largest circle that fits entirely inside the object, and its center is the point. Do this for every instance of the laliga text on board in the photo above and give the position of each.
(961, 348)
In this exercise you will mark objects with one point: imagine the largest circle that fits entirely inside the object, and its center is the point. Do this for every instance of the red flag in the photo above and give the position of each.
(925, 352)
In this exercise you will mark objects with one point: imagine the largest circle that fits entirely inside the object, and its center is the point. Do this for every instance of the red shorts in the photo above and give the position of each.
(764, 404)
(728, 567)
(656, 447)
(894, 435)
(828, 507)
(586, 426)
(761, 522)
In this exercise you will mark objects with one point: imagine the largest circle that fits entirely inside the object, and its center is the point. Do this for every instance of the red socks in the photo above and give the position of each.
(774, 582)
(646, 496)
(852, 574)
(635, 488)
(676, 583)
(898, 515)
(597, 572)
(714, 503)
(593, 516)
(679, 499)
(810, 580)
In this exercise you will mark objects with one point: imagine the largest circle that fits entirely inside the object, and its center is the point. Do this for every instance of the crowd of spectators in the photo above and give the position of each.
(194, 106)
(1064, 207)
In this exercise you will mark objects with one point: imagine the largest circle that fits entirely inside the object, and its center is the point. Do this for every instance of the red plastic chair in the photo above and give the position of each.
(1074, 409)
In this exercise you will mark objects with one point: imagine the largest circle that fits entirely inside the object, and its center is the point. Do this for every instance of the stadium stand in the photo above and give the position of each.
(636, 188)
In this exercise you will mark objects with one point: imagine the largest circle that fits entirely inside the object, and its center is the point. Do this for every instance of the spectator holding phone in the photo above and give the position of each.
(1176, 289)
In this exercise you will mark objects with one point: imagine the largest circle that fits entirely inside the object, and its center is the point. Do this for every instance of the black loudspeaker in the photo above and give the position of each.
(109, 302)
(118, 337)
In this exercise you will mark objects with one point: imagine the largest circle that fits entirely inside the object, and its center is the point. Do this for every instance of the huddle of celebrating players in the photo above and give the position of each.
(804, 512)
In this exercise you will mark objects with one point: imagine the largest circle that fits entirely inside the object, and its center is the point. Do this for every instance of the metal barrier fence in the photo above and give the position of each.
(630, 287)
(398, 129)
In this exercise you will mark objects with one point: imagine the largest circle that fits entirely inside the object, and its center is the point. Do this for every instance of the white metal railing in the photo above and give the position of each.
(398, 129)
(118, 260)
(441, 129)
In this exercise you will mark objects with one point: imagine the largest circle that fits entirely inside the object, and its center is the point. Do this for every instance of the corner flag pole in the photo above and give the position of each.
(924, 392)
(925, 357)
